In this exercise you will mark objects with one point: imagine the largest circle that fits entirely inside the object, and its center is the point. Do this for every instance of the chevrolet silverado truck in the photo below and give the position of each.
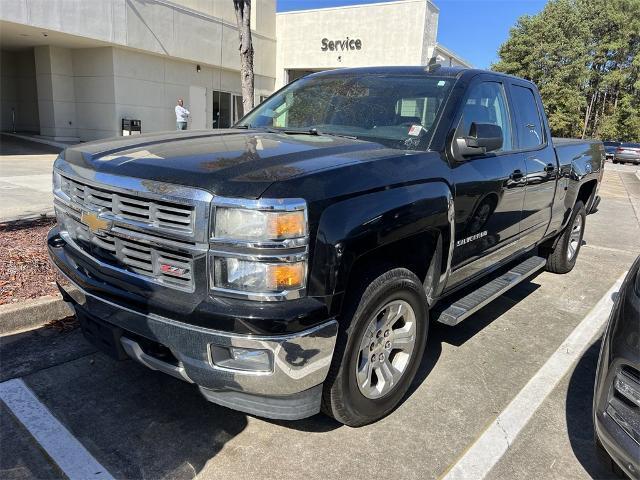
(292, 263)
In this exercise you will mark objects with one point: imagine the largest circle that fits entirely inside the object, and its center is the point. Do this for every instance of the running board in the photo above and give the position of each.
(474, 301)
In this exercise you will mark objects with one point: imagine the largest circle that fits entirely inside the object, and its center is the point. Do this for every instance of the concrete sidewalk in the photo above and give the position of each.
(25, 178)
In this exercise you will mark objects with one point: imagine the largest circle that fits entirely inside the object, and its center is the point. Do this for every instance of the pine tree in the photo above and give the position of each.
(584, 57)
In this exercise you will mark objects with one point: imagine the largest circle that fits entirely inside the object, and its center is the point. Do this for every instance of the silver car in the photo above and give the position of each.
(627, 152)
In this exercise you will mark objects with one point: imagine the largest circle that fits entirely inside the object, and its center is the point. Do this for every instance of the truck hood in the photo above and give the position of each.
(230, 162)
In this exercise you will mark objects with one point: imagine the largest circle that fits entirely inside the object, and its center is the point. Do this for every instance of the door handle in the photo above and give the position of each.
(549, 168)
(516, 175)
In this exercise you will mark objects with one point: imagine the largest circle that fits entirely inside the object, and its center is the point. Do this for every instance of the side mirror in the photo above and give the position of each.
(482, 138)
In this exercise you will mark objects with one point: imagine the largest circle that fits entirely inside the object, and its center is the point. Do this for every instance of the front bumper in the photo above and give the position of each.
(291, 390)
(615, 439)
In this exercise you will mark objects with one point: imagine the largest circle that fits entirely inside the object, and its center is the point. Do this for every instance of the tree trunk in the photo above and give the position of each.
(243, 18)
(588, 115)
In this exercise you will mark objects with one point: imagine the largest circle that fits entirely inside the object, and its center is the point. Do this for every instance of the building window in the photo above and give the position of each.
(221, 109)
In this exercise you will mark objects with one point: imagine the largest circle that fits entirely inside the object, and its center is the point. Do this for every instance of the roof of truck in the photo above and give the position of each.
(436, 70)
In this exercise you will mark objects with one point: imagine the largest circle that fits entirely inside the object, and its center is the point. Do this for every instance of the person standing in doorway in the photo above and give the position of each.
(182, 114)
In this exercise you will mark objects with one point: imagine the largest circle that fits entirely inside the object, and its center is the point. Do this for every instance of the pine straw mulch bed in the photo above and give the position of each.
(25, 270)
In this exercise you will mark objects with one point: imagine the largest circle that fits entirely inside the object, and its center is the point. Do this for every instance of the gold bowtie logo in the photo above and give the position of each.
(94, 222)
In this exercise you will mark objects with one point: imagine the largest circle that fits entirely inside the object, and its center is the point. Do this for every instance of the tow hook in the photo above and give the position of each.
(57, 242)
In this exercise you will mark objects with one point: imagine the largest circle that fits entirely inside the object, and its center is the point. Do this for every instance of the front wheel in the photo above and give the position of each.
(563, 257)
(379, 348)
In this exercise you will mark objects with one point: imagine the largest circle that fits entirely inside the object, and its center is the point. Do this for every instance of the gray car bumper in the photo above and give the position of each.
(292, 389)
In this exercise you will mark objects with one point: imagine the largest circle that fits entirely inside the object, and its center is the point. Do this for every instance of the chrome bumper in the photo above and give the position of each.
(300, 361)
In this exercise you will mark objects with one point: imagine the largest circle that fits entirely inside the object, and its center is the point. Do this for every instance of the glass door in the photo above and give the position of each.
(221, 109)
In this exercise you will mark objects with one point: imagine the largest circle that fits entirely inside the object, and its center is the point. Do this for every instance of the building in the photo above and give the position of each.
(74, 69)
(388, 33)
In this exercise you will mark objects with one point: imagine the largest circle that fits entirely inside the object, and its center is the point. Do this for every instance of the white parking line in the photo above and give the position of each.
(499, 436)
(63, 448)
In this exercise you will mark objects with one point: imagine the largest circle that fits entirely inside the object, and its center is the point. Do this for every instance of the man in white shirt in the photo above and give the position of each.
(182, 114)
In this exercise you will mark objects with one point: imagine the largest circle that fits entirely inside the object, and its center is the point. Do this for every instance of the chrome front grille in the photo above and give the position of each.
(161, 214)
(167, 266)
(150, 229)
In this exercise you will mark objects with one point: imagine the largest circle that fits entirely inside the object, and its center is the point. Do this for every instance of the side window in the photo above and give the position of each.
(528, 123)
(487, 103)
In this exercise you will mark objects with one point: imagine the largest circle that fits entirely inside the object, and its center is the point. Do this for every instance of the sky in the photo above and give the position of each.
(474, 29)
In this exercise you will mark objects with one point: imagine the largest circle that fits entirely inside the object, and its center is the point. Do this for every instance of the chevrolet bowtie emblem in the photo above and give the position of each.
(94, 222)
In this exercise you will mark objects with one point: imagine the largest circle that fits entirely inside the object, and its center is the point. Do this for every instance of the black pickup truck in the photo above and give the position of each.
(292, 263)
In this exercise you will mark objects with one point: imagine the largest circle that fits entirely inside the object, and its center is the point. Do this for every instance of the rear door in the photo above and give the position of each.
(489, 189)
(541, 165)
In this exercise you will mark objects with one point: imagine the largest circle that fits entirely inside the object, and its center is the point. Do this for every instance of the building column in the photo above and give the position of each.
(56, 93)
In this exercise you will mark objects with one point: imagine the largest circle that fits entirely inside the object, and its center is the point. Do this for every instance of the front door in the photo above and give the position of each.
(489, 189)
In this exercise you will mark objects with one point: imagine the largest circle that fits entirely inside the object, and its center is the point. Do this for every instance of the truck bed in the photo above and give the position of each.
(586, 155)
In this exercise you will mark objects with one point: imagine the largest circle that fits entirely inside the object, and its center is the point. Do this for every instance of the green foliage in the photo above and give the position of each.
(584, 57)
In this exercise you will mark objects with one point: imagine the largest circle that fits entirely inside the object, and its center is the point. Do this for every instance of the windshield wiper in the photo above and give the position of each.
(316, 132)
(288, 131)
(341, 135)
(245, 127)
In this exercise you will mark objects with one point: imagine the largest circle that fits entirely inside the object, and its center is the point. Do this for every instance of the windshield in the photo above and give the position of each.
(398, 111)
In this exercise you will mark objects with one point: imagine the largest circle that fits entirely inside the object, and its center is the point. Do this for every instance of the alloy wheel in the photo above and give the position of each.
(574, 238)
(386, 348)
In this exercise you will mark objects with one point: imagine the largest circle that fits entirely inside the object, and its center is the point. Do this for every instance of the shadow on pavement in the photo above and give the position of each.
(144, 424)
(579, 414)
(17, 146)
(464, 331)
(136, 422)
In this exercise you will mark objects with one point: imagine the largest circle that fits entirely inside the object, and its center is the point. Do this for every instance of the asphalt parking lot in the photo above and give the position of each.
(141, 424)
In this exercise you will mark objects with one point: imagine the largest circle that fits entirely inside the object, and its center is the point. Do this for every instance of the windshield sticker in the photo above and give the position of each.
(415, 130)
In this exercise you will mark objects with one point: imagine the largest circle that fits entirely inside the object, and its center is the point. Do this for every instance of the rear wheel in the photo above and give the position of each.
(379, 348)
(563, 257)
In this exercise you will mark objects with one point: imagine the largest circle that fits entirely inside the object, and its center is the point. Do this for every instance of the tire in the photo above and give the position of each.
(614, 161)
(397, 293)
(563, 257)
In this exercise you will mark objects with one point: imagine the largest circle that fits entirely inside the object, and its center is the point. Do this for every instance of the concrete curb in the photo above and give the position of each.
(30, 314)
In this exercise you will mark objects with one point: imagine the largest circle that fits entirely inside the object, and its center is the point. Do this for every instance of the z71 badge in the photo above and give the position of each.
(464, 241)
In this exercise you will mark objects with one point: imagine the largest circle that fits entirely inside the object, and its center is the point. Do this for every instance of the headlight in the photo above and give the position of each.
(259, 248)
(258, 277)
(256, 225)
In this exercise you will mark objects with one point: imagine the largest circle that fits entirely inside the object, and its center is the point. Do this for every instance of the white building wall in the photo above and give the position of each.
(77, 67)
(56, 92)
(98, 61)
(203, 34)
(147, 88)
(95, 92)
(391, 34)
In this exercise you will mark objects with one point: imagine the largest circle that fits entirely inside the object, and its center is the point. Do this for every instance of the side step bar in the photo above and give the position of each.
(474, 301)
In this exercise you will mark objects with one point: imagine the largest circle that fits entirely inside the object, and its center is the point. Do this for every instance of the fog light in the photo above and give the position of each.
(245, 359)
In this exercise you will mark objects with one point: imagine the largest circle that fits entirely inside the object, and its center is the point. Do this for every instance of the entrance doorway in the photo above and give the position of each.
(18, 91)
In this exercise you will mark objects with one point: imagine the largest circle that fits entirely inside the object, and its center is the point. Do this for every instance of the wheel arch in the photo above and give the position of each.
(408, 226)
